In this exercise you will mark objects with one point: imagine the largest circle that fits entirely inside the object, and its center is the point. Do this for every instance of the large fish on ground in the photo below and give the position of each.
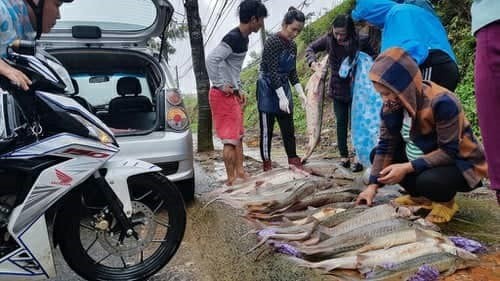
(372, 259)
(315, 89)
(443, 262)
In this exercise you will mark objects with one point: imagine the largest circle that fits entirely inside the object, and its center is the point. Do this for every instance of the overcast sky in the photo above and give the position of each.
(276, 10)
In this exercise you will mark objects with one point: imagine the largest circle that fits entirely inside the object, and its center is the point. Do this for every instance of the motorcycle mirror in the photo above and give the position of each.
(24, 47)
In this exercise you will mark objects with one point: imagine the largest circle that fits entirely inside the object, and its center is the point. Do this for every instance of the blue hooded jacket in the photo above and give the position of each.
(407, 26)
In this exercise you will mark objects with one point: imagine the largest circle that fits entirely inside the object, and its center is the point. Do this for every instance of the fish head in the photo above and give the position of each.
(465, 259)
(403, 212)
(462, 258)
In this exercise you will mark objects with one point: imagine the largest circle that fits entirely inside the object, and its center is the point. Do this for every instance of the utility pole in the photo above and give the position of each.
(263, 35)
(263, 31)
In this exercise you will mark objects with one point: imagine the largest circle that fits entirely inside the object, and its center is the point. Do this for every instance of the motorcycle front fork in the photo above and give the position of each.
(116, 208)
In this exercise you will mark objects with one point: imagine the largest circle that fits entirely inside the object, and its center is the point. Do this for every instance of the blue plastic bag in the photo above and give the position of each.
(365, 109)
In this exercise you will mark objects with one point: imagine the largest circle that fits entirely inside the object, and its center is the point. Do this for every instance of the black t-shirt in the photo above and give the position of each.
(236, 40)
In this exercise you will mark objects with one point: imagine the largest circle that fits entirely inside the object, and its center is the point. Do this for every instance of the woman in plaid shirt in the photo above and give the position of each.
(426, 144)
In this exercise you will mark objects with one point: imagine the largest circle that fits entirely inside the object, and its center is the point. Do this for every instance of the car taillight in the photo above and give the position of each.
(173, 97)
(177, 118)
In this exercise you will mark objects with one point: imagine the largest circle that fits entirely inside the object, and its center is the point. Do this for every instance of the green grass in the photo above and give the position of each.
(191, 105)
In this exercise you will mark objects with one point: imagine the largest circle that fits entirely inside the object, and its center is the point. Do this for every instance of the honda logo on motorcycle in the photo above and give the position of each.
(63, 179)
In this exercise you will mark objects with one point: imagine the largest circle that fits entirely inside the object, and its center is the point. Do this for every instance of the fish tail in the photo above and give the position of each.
(261, 242)
(212, 201)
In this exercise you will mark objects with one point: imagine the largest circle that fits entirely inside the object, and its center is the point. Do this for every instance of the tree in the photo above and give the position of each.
(176, 30)
(205, 142)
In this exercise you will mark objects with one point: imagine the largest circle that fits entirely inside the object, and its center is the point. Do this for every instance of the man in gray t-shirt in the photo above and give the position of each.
(224, 65)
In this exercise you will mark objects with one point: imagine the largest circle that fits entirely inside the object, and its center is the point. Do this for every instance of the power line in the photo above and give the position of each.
(217, 21)
(212, 13)
(211, 32)
(225, 10)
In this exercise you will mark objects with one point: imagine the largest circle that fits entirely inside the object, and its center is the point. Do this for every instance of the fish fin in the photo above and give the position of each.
(260, 224)
(363, 249)
(422, 234)
(388, 245)
(450, 271)
(324, 229)
(364, 270)
(361, 258)
(248, 233)
(261, 242)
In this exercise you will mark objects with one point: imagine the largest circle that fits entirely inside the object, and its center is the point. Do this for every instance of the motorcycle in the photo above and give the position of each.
(112, 219)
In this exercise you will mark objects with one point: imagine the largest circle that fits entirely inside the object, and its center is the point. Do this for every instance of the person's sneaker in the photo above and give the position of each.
(345, 162)
(356, 167)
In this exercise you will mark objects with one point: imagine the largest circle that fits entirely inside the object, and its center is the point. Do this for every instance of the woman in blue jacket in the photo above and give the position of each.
(416, 30)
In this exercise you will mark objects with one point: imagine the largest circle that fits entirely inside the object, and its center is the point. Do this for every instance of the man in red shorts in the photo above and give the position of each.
(226, 99)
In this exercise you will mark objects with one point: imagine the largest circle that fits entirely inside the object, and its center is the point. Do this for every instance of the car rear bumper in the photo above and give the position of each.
(172, 151)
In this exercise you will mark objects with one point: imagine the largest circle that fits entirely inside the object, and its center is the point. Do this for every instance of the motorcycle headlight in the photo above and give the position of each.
(177, 118)
(94, 131)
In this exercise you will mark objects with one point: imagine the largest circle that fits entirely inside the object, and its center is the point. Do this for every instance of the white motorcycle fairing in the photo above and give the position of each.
(27, 223)
(119, 171)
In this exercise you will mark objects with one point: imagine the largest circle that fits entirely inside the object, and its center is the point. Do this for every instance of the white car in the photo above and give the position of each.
(104, 46)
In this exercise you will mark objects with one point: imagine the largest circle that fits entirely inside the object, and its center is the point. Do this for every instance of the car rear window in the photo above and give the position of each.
(98, 90)
(112, 15)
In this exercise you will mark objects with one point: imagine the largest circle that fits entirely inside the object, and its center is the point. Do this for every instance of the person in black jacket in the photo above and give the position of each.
(339, 43)
(274, 95)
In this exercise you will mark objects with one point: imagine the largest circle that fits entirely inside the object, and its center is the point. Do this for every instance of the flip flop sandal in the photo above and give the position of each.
(441, 213)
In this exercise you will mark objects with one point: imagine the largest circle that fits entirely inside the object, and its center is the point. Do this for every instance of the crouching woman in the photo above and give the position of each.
(426, 144)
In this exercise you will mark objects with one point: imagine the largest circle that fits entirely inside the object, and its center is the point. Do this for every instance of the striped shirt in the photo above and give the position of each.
(412, 151)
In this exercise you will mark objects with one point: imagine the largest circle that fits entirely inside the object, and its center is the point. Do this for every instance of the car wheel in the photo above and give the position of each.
(186, 187)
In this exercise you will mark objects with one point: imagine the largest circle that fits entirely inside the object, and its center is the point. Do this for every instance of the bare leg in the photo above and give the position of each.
(229, 155)
(240, 171)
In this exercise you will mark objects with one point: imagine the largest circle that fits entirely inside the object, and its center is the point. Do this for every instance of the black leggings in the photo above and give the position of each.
(285, 121)
(342, 111)
(440, 69)
(439, 184)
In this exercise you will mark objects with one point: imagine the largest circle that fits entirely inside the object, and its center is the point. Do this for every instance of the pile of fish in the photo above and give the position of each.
(315, 222)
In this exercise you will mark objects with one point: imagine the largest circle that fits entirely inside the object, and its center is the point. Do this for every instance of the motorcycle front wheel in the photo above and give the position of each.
(93, 243)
